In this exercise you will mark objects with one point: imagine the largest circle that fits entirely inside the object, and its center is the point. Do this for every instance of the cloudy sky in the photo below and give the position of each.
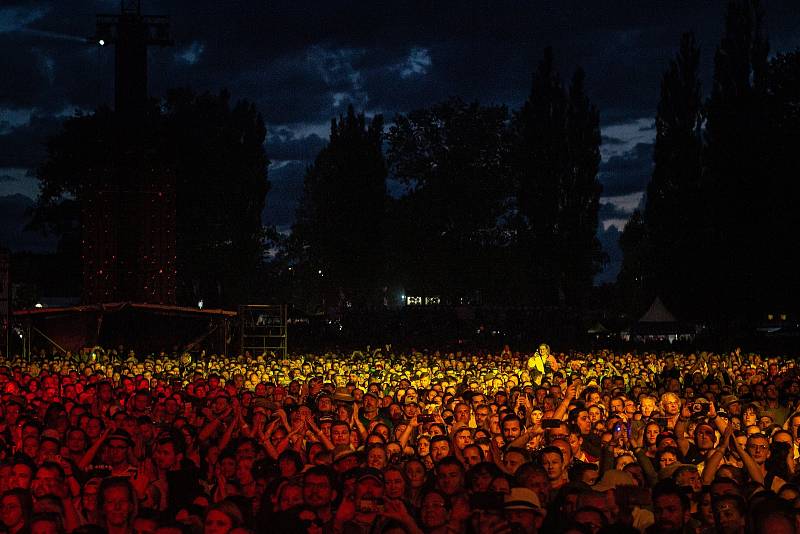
(302, 62)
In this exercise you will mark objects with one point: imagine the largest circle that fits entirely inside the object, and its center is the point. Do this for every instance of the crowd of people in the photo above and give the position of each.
(380, 441)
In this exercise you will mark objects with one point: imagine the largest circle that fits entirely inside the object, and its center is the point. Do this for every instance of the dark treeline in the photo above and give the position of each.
(720, 225)
(500, 208)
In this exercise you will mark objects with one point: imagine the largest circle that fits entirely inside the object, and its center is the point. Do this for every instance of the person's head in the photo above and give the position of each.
(511, 427)
(591, 517)
(369, 486)
(686, 476)
(415, 473)
(319, 487)
(290, 494)
(376, 456)
(671, 507)
(440, 447)
(47, 523)
(552, 459)
(514, 457)
(647, 405)
(473, 455)
(145, 522)
(116, 503)
(118, 446)
(222, 518)
(21, 473)
(340, 433)
(730, 512)
(168, 453)
(449, 476)
(667, 457)
(16, 507)
(523, 510)
(704, 437)
(435, 509)
(462, 437)
(396, 482)
(671, 404)
(758, 447)
(76, 440)
(48, 476)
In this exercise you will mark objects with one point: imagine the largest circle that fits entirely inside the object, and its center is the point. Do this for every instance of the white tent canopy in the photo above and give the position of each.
(658, 313)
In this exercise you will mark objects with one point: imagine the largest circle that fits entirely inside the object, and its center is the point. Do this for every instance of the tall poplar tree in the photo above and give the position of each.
(556, 161)
(673, 207)
(735, 178)
(339, 228)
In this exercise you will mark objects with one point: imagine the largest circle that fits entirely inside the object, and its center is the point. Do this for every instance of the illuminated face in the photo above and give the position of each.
(439, 450)
(511, 430)
(652, 433)
(553, 466)
(671, 405)
(584, 422)
(758, 448)
(463, 438)
(667, 458)
(594, 414)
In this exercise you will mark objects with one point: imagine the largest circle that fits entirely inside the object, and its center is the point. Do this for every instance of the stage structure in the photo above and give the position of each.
(264, 329)
(143, 327)
(128, 239)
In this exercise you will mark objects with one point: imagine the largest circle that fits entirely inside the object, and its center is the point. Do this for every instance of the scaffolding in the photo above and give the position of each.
(264, 329)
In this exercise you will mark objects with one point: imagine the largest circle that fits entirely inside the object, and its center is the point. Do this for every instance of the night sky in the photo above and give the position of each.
(302, 62)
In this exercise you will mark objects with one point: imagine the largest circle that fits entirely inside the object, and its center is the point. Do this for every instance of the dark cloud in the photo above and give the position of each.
(14, 216)
(282, 145)
(8, 178)
(628, 173)
(609, 240)
(609, 140)
(25, 145)
(609, 210)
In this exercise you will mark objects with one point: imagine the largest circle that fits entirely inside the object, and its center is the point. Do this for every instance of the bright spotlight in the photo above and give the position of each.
(38, 305)
(101, 42)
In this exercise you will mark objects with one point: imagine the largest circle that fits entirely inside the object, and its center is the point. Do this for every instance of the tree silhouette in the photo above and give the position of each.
(217, 151)
(735, 182)
(555, 164)
(780, 280)
(581, 255)
(452, 157)
(338, 235)
(214, 151)
(672, 217)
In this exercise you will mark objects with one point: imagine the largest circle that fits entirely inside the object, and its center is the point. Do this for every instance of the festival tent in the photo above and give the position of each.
(659, 324)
